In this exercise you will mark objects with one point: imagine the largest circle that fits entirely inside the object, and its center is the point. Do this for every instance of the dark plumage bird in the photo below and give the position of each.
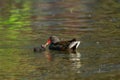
(55, 44)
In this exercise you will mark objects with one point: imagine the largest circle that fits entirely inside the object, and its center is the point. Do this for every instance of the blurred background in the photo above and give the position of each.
(25, 24)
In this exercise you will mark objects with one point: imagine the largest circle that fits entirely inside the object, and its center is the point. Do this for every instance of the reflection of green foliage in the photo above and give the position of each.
(19, 18)
(18, 1)
(8, 63)
(13, 64)
(12, 34)
(1, 23)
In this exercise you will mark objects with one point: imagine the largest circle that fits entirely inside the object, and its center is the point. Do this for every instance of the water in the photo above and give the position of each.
(27, 24)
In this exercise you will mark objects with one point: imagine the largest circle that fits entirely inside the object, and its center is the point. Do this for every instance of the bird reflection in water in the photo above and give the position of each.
(48, 55)
(75, 59)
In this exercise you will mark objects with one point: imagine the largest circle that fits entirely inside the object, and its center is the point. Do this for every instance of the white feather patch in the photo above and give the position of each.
(75, 43)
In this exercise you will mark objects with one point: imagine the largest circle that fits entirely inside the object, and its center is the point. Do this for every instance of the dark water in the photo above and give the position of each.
(25, 24)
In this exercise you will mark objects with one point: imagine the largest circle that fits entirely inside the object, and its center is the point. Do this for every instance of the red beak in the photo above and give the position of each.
(48, 41)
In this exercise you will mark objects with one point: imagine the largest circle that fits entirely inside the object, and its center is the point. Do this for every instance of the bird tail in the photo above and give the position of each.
(74, 45)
